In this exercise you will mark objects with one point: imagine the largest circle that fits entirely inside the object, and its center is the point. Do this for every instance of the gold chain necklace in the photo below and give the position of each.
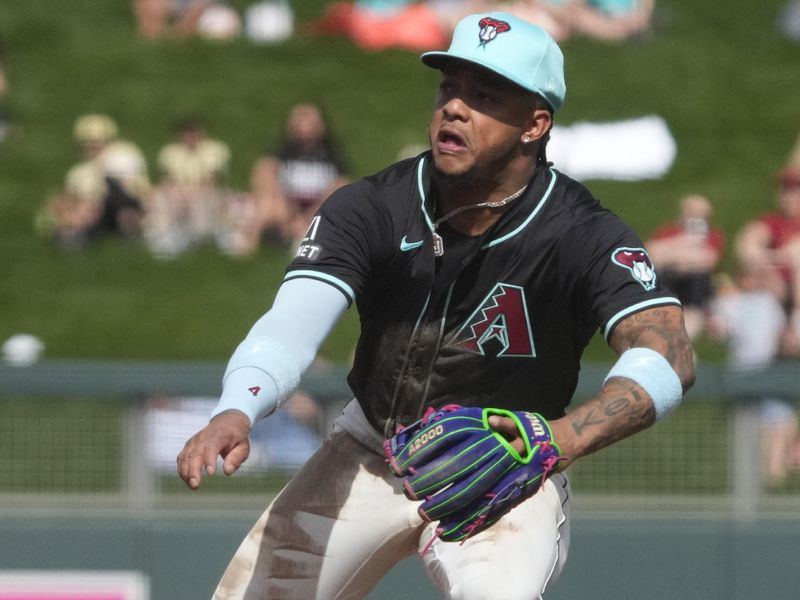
(438, 242)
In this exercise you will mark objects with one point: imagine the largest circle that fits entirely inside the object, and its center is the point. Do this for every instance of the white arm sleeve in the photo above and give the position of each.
(266, 367)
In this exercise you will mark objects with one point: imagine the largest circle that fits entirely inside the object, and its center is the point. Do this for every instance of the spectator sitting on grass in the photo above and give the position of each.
(185, 205)
(105, 193)
(606, 20)
(687, 253)
(426, 25)
(772, 242)
(291, 182)
(155, 18)
(749, 316)
(610, 20)
(213, 19)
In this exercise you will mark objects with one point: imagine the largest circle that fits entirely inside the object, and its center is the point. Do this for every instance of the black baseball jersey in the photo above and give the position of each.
(500, 319)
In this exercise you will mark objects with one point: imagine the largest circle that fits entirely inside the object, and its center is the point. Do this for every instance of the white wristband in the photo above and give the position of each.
(653, 372)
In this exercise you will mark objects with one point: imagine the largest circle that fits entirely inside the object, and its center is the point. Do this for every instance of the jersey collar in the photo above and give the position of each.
(514, 220)
(533, 200)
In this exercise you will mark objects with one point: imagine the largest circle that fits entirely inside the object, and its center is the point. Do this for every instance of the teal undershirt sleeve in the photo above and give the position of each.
(266, 367)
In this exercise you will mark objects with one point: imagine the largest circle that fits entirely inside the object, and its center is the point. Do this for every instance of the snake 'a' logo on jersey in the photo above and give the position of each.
(500, 326)
(638, 263)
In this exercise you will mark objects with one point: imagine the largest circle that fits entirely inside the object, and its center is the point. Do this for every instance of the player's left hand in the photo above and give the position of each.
(470, 466)
(508, 429)
(559, 428)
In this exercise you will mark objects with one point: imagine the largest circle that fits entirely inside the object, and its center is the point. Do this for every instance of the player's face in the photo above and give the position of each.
(478, 122)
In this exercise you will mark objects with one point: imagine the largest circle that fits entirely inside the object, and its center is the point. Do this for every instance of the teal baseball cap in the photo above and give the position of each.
(511, 47)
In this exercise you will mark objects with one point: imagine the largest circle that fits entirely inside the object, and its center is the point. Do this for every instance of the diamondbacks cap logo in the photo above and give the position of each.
(638, 263)
(490, 28)
(499, 326)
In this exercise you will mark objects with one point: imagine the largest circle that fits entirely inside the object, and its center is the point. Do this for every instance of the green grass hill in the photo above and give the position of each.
(719, 73)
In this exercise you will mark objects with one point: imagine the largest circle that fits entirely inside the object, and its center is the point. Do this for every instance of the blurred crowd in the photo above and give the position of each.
(190, 202)
(428, 24)
(411, 24)
(379, 24)
(753, 305)
(263, 21)
(754, 308)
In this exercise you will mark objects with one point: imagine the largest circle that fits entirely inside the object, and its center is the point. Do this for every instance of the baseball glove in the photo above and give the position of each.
(467, 474)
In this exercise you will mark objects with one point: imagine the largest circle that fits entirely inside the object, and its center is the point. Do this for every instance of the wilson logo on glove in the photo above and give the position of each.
(538, 427)
(467, 474)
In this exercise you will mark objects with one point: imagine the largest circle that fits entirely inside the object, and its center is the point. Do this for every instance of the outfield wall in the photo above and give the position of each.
(680, 512)
(610, 558)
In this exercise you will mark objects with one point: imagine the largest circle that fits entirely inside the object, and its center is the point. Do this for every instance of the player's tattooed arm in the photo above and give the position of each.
(622, 407)
(661, 329)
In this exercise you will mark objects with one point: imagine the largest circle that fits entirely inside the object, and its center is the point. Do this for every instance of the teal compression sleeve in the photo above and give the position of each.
(266, 367)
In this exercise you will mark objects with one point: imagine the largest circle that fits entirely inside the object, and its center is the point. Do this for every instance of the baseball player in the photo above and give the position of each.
(480, 273)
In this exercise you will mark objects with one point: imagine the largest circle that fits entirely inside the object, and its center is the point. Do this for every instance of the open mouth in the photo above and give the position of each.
(450, 141)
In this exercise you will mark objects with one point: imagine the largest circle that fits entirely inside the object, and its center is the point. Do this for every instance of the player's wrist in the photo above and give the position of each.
(249, 390)
(232, 417)
(564, 438)
(542, 439)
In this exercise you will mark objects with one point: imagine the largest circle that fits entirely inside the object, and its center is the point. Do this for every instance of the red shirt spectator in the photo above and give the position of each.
(686, 254)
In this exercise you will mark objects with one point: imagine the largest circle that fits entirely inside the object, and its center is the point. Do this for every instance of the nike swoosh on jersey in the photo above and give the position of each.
(405, 245)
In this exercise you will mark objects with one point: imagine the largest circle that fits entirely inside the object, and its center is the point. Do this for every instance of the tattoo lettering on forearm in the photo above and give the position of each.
(623, 408)
(617, 406)
(586, 422)
(612, 409)
(619, 411)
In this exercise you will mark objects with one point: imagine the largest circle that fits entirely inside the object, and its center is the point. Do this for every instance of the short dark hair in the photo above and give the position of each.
(539, 103)
(189, 123)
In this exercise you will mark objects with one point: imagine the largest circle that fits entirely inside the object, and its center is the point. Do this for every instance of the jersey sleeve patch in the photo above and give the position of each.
(637, 262)
(309, 249)
(345, 241)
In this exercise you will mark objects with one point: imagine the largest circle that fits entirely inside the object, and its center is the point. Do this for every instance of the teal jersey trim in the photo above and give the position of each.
(421, 188)
(334, 281)
(500, 240)
(636, 308)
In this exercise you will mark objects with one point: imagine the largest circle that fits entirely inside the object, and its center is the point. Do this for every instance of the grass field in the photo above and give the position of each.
(718, 73)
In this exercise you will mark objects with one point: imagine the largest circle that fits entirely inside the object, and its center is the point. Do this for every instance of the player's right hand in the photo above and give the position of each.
(226, 436)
